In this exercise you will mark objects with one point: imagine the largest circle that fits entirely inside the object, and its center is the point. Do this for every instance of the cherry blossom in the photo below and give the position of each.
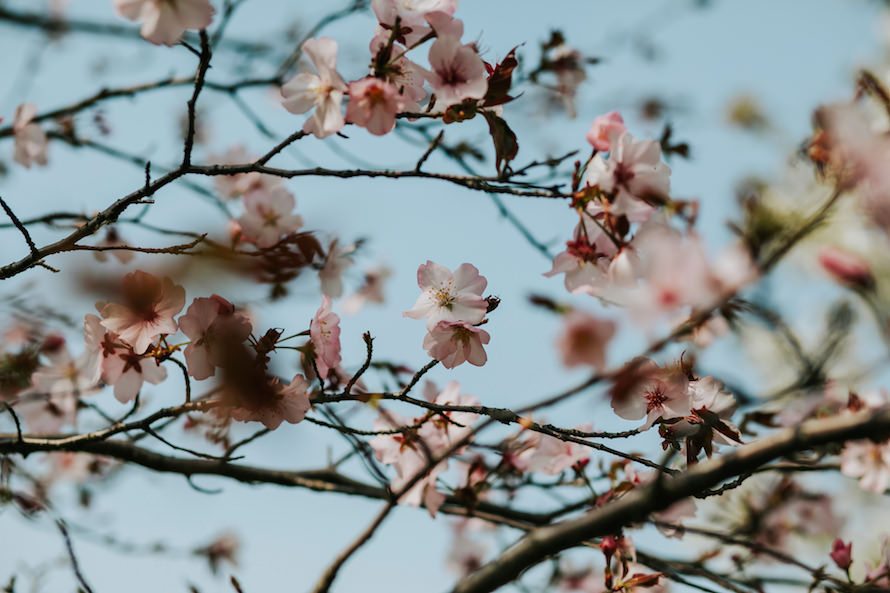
(275, 403)
(412, 462)
(212, 326)
(457, 72)
(409, 452)
(269, 215)
(324, 90)
(449, 296)
(658, 393)
(586, 262)
(551, 455)
(373, 104)
(337, 260)
(584, 339)
(407, 77)
(240, 184)
(388, 447)
(147, 312)
(113, 239)
(444, 434)
(30, 139)
(371, 291)
(412, 17)
(127, 370)
(674, 273)
(868, 461)
(605, 130)
(466, 555)
(164, 21)
(324, 332)
(66, 375)
(411, 449)
(454, 342)
(633, 176)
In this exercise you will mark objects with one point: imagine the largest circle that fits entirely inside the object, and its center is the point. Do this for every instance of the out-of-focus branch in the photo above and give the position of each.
(546, 541)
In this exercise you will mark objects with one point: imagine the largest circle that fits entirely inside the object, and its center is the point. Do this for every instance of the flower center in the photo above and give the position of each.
(655, 399)
(444, 295)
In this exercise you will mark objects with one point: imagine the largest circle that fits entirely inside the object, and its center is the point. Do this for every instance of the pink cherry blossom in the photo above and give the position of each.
(127, 371)
(212, 326)
(869, 461)
(409, 452)
(240, 184)
(370, 292)
(584, 340)
(324, 90)
(324, 333)
(113, 239)
(605, 129)
(30, 139)
(586, 260)
(373, 104)
(551, 455)
(633, 176)
(449, 296)
(411, 463)
(46, 412)
(164, 21)
(269, 215)
(674, 272)
(336, 261)
(845, 267)
(454, 342)
(277, 403)
(66, 375)
(410, 12)
(458, 72)
(466, 555)
(443, 434)
(388, 447)
(412, 17)
(147, 312)
(658, 393)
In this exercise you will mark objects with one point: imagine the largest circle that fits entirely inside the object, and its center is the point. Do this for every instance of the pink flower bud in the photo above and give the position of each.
(604, 129)
(846, 267)
(842, 554)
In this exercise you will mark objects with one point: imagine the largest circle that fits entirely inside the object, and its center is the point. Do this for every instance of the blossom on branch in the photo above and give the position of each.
(324, 333)
(455, 342)
(323, 91)
(269, 215)
(30, 139)
(449, 296)
(212, 326)
(605, 130)
(147, 312)
(868, 461)
(584, 339)
(274, 403)
(164, 21)
(457, 72)
(633, 177)
(373, 105)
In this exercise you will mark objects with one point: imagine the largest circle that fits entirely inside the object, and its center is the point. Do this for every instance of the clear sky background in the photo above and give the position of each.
(790, 55)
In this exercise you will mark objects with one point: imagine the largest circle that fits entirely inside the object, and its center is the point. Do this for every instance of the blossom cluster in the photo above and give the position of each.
(128, 343)
(453, 306)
